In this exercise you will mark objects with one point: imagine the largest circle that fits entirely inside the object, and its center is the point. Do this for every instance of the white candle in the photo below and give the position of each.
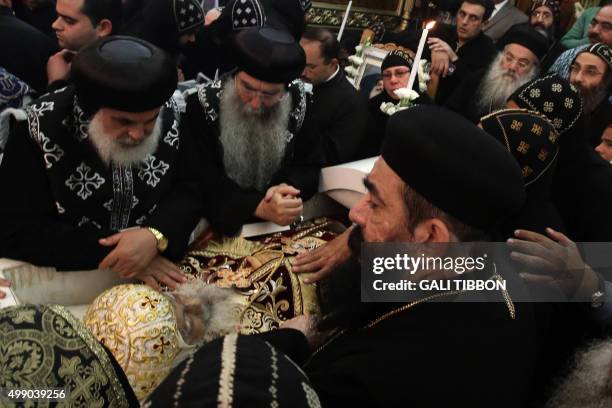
(417, 57)
(346, 14)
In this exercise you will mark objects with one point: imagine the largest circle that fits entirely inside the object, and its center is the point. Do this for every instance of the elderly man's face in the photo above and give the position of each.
(126, 128)
(588, 72)
(469, 21)
(542, 17)
(605, 147)
(395, 78)
(517, 61)
(600, 28)
(382, 213)
(258, 96)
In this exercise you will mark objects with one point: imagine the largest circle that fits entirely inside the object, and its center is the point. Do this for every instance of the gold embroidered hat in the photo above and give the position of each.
(138, 325)
(47, 347)
(553, 97)
(236, 371)
(529, 137)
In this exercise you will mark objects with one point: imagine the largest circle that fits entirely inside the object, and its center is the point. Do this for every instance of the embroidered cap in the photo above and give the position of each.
(553, 5)
(188, 14)
(484, 186)
(123, 73)
(529, 137)
(602, 51)
(553, 97)
(397, 58)
(236, 371)
(46, 346)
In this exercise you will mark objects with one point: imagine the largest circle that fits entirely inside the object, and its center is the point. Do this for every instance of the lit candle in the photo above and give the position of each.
(417, 57)
(346, 14)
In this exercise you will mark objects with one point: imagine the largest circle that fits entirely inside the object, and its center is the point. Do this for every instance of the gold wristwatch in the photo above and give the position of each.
(162, 241)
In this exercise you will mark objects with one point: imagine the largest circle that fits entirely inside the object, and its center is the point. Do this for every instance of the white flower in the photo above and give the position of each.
(359, 48)
(351, 71)
(423, 75)
(355, 60)
(406, 94)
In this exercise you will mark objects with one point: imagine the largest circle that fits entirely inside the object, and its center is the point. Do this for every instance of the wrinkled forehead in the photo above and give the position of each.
(257, 84)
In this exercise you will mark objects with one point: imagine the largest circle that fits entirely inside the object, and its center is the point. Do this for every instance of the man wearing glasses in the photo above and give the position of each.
(252, 133)
(591, 73)
(487, 90)
(600, 31)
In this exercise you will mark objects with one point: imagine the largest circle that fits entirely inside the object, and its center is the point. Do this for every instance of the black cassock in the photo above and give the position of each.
(59, 198)
(232, 206)
(341, 116)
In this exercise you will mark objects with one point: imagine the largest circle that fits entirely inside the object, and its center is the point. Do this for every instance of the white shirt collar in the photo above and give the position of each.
(336, 73)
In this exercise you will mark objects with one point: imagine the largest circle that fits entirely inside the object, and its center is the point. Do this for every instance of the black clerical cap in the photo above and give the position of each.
(123, 73)
(288, 15)
(528, 136)
(236, 371)
(553, 97)
(602, 51)
(397, 58)
(526, 36)
(553, 5)
(269, 55)
(455, 165)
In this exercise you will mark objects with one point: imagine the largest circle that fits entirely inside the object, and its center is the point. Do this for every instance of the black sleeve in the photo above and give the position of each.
(178, 213)
(303, 168)
(30, 229)
(290, 341)
(345, 135)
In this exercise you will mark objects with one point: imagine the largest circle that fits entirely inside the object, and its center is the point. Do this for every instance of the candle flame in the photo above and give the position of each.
(430, 25)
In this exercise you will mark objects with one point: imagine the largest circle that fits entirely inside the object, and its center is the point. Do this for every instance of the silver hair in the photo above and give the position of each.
(253, 141)
(111, 150)
(498, 84)
(589, 384)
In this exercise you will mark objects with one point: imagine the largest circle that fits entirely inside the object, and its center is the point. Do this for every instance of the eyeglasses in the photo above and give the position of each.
(521, 62)
(397, 74)
(587, 72)
(605, 26)
(267, 97)
(541, 14)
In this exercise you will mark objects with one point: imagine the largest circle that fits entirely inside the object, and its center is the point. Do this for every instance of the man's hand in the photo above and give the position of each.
(307, 324)
(321, 261)
(161, 270)
(134, 251)
(58, 66)
(440, 61)
(280, 205)
(437, 45)
(556, 262)
(5, 283)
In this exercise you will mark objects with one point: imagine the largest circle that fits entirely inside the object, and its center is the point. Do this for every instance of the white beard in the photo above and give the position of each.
(123, 154)
(589, 385)
(253, 142)
(496, 87)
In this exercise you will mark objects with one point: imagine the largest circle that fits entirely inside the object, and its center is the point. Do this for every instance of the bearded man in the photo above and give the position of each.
(591, 73)
(103, 174)
(251, 127)
(488, 90)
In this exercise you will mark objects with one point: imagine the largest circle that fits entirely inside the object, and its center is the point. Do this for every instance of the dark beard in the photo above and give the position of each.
(592, 98)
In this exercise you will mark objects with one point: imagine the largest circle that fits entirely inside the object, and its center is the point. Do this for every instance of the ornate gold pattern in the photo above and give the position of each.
(137, 324)
(536, 129)
(47, 346)
(523, 147)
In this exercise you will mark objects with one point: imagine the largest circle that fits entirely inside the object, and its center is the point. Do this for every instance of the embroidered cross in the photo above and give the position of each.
(516, 125)
(543, 155)
(552, 137)
(162, 345)
(536, 129)
(152, 303)
(523, 147)
(527, 171)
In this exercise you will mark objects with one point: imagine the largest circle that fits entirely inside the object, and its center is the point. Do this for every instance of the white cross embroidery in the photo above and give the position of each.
(83, 183)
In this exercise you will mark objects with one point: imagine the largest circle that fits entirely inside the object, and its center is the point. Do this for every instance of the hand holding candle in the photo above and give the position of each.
(417, 57)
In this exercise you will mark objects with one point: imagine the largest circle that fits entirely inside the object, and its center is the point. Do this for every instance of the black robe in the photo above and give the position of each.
(431, 355)
(377, 123)
(233, 206)
(63, 198)
(25, 50)
(464, 97)
(598, 121)
(341, 116)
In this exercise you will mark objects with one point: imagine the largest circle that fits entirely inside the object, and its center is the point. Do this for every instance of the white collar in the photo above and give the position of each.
(336, 73)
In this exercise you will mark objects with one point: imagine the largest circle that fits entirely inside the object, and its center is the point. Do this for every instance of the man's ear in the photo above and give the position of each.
(433, 230)
(104, 27)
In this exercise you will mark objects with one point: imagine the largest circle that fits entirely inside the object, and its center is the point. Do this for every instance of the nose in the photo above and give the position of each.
(56, 24)
(255, 102)
(359, 211)
(137, 133)
(539, 17)
(599, 148)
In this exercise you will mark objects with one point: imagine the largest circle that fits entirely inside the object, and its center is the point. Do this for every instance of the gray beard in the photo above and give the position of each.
(253, 142)
(496, 88)
(111, 150)
(590, 383)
